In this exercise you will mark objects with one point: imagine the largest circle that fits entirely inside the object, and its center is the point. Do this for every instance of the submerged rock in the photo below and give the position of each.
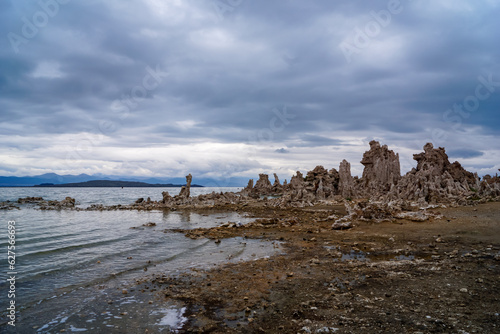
(30, 200)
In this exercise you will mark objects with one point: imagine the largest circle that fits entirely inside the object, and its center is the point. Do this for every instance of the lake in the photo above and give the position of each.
(66, 260)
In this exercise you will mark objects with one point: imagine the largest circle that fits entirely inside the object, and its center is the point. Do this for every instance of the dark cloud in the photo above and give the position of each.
(308, 140)
(87, 65)
(465, 153)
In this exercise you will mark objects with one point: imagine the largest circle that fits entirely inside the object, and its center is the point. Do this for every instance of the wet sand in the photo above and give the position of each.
(439, 276)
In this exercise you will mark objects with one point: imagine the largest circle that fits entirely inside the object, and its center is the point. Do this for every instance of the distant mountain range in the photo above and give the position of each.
(107, 183)
(55, 179)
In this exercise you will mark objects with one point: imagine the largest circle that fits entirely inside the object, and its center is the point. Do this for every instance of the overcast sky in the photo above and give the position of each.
(237, 87)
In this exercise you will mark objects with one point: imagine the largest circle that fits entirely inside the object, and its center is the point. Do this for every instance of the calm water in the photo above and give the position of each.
(106, 196)
(62, 257)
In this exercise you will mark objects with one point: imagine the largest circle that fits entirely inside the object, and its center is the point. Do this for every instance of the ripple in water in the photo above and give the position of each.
(62, 257)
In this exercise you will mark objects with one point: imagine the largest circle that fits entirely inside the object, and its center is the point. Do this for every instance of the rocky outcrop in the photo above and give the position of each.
(381, 194)
(186, 190)
(297, 182)
(436, 180)
(489, 187)
(346, 181)
(67, 203)
(382, 170)
(166, 197)
(374, 211)
(277, 188)
(263, 185)
(247, 191)
(276, 181)
(8, 206)
(321, 183)
(25, 200)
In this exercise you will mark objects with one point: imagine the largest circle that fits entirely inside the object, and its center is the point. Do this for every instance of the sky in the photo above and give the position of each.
(234, 88)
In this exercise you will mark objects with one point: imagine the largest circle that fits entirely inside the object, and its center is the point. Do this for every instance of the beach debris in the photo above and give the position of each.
(342, 225)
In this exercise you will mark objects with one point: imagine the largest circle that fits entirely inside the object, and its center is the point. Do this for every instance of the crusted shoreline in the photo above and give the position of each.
(401, 276)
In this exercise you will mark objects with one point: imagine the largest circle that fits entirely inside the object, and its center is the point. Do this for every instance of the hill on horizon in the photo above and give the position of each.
(56, 179)
(108, 183)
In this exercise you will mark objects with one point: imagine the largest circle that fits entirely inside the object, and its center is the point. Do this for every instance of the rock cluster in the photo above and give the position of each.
(380, 194)
(435, 180)
(28, 199)
(379, 211)
(347, 185)
(382, 170)
(490, 187)
(67, 203)
(8, 206)
(263, 187)
(183, 196)
(186, 190)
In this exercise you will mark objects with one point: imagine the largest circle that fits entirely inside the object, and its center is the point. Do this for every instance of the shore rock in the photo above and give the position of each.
(30, 200)
(382, 169)
(186, 190)
(346, 181)
(277, 187)
(436, 180)
(263, 185)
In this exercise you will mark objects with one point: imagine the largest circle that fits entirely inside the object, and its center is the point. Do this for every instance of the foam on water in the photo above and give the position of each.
(172, 317)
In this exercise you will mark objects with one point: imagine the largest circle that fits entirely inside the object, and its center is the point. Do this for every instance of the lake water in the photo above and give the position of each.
(107, 196)
(68, 261)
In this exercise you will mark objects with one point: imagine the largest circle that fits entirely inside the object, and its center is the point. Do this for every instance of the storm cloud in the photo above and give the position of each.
(224, 88)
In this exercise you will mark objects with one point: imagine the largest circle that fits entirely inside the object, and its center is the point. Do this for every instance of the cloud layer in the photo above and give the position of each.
(233, 88)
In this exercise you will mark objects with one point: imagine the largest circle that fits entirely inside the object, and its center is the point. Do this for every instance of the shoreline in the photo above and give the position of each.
(434, 276)
(440, 275)
(75, 305)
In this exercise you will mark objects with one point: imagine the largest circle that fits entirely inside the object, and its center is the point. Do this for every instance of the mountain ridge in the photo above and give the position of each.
(110, 183)
(56, 179)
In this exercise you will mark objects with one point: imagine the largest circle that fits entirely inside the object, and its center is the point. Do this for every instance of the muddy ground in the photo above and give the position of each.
(439, 276)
